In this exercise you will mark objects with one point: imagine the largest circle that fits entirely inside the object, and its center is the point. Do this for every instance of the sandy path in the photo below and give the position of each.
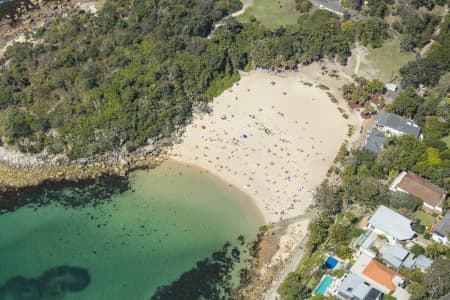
(271, 136)
(358, 61)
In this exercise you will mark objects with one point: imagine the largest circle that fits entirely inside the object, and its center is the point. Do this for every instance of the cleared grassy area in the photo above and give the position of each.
(388, 60)
(424, 218)
(446, 140)
(381, 63)
(272, 13)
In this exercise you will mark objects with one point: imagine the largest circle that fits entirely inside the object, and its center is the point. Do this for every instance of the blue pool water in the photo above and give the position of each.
(321, 288)
(331, 262)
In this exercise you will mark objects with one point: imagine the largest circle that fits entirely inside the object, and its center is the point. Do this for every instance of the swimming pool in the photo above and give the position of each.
(321, 288)
(331, 262)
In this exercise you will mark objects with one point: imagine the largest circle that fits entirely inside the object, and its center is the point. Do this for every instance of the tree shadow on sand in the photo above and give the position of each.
(53, 284)
(210, 279)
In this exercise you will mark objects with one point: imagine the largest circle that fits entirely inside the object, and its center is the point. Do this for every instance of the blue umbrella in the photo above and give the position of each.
(244, 136)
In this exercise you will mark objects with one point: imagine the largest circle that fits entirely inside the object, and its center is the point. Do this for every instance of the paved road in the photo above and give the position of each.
(272, 294)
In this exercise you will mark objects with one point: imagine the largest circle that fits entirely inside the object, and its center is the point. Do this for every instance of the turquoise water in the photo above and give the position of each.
(323, 285)
(126, 247)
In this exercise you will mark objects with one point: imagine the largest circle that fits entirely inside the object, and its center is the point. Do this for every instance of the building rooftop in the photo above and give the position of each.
(392, 223)
(355, 287)
(375, 141)
(383, 275)
(397, 256)
(443, 228)
(423, 262)
(399, 123)
(391, 86)
(421, 188)
(367, 239)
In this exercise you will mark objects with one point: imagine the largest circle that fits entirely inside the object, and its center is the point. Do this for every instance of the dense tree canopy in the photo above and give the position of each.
(428, 70)
(437, 278)
(101, 83)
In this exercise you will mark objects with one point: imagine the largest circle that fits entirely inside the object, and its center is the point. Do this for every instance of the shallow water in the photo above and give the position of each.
(128, 246)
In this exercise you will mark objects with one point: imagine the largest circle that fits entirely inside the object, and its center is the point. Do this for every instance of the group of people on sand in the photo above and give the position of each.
(267, 161)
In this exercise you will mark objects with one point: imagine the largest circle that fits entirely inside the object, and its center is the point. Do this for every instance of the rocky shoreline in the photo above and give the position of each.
(19, 170)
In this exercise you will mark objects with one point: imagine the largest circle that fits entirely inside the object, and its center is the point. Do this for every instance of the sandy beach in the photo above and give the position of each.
(271, 135)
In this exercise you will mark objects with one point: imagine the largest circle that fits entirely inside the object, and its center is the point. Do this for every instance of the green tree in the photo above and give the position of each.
(294, 287)
(437, 278)
(417, 250)
(417, 291)
(318, 230)
(372, 31)
(303, 6)
(327, 198)
(406, 103)
(406, 201)
(18, 125)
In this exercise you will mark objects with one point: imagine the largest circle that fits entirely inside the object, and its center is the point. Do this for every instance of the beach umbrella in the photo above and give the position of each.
(244, 136)
(223, 117)
(203, 127)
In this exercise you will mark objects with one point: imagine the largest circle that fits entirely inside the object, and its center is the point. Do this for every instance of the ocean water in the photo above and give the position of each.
(159, 233)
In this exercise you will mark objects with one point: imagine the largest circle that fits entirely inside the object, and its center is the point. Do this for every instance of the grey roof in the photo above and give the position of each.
(355, 287)
(375, 141)
(392, 223)
(367, 239)
(361, 291)
(443, 228)
(399, 123)
(409, 262)
(373, 294)
(423, 262)
(398, 256)
(350, 284)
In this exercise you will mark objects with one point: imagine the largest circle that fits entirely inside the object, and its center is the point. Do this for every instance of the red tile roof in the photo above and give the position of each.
(381, 274)
(421, 188)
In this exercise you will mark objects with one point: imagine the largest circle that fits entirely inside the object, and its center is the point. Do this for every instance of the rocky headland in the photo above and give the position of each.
(18, 18)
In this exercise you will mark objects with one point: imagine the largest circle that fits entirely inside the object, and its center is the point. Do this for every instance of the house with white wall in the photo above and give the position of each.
(394, 226)
(442, 231)
(433, 197)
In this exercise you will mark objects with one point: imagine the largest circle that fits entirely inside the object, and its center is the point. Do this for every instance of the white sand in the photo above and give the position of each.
(293, 133)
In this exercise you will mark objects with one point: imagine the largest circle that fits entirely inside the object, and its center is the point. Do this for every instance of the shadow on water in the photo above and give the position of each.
(67, 193)
(53, 284)
(210, 279)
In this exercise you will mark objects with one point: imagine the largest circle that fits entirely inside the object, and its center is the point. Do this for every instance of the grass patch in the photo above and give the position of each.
(388, 60)
(307, 83)
(424, 218)
(446, 140)
(272, 13)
